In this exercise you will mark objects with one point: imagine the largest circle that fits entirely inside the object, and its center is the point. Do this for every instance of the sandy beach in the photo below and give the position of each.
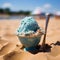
(10, 46)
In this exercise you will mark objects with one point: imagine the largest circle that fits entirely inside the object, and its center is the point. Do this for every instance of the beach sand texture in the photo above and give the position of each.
(10, 46)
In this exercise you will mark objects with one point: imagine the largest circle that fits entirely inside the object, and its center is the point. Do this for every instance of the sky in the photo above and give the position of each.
(42, 5)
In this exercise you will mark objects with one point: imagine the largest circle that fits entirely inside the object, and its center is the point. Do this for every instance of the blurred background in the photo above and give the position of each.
(17, 9)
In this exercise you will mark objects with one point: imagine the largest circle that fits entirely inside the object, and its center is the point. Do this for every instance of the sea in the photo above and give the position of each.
(11, 17)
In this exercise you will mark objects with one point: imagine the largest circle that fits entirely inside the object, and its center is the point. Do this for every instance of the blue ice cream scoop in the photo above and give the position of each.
(28, 24)
(27, 32)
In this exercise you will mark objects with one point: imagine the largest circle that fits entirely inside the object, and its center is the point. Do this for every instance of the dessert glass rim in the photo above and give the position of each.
(38, 33)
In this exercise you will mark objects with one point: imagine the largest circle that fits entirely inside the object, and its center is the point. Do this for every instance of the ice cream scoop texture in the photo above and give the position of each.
(28, 25)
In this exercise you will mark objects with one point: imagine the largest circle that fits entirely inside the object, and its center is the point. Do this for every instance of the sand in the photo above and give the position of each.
(10, 46)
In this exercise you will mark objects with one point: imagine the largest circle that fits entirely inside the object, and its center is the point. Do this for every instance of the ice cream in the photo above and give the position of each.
(28, 32)
(28, 25)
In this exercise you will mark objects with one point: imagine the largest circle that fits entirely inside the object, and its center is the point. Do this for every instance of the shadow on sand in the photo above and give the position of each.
(57, 43)
(37, 49)
(46, 49)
